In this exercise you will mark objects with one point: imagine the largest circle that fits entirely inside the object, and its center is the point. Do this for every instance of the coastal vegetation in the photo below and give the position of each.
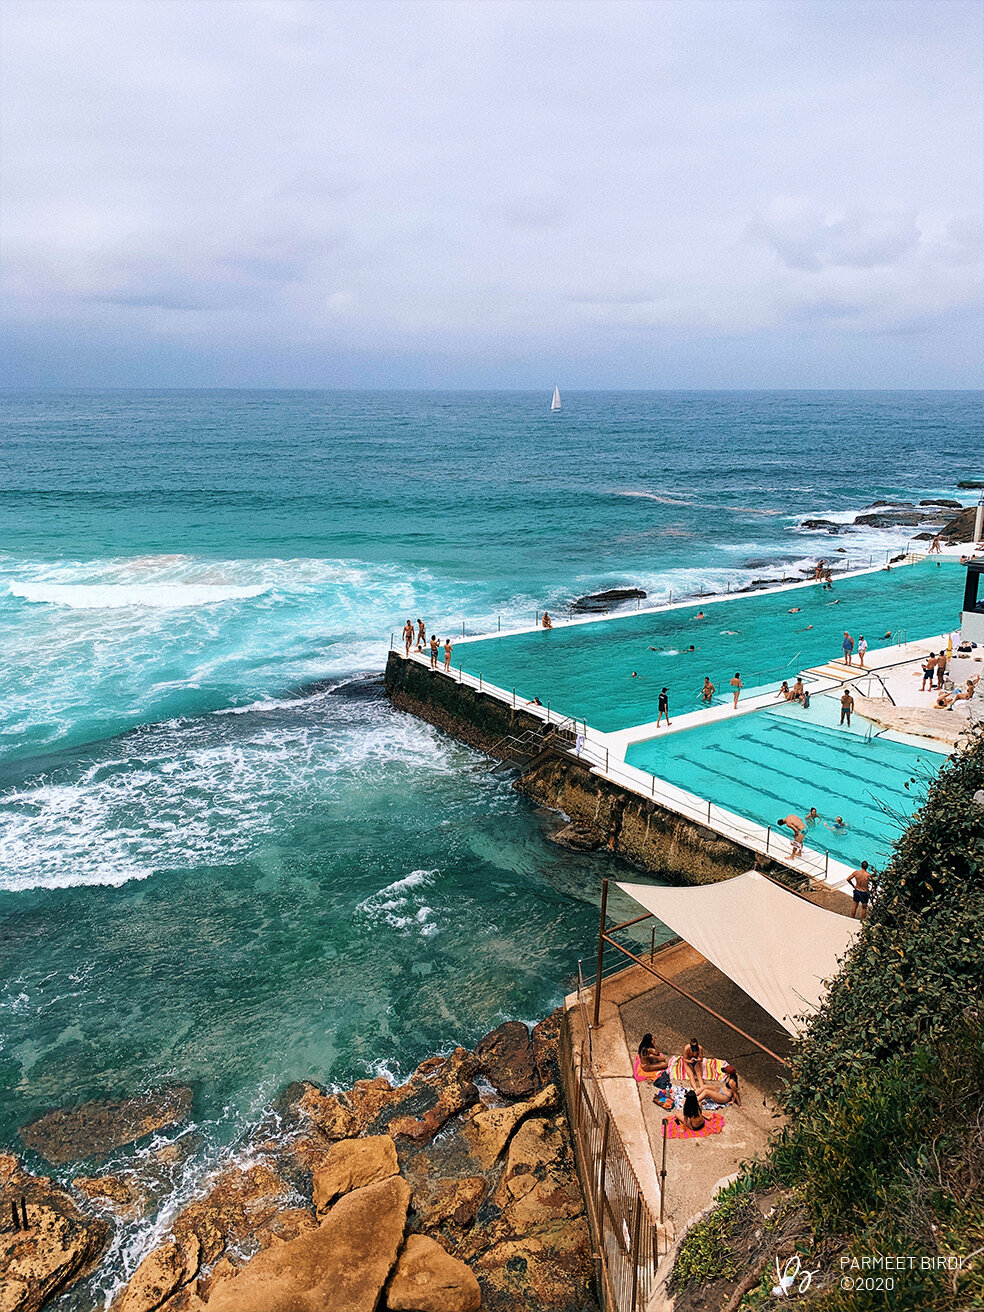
(880, 1162)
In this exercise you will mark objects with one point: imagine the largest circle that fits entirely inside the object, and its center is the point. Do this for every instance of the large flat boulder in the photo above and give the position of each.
(342, 1266)
(352, 1164)
(95, 1129)
(161, 1273)
(490, 1129)
(59, 1245)
(506, 1057)
(428, 1279)
(550, 1270)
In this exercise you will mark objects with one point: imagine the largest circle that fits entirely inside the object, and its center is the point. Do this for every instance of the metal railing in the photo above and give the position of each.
(624, 1234)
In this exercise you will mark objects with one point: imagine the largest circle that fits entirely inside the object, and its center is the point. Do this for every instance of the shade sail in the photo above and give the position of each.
(773, 944)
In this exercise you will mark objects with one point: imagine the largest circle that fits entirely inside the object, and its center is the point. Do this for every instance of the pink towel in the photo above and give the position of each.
(713, 1124)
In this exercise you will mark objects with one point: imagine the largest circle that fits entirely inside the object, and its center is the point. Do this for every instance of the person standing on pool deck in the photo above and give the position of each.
(940, 669)
(847, 706)
(848, 645)
(663, 704)
(421, 634)
(862, 648)
(929, 670)
(408, 636)
(797, 825)
(861, 881)
(707, 692)
(447, 654)
(433, 647)
(737, 685)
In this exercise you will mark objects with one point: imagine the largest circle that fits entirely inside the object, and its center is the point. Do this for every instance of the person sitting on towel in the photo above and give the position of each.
(693, 1117)
(693, 1062)
(723, 1093)
(651, 1064)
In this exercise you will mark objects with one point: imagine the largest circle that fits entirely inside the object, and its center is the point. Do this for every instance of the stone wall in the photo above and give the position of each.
(605, 814)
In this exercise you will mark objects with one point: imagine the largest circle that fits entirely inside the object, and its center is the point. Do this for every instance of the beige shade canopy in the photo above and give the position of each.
(777, 947)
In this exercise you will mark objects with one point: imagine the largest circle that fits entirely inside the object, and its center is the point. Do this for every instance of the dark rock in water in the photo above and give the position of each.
(579, 836)
(95, 1129)
(961, 527)
(546, 1048)
(942, 501)
(611, 597)
(924, 537)
(365, 689)
(506, 1055)
(827, 525)
(762, 562)
(900, 504)
(971, 483)
(892, 519)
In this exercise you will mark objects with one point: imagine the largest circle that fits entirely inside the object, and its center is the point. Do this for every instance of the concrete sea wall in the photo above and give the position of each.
(603, 813)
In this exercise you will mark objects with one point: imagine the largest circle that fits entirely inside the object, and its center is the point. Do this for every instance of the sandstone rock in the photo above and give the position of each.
(506, 1056)
(123, 1195)
(438, 1089)
(287, 1224)
(239, 1203)
(341, 1266)
(345, 1115)
(95, 1129)
(160, 1274)
(352, 1164)
(961, 527)
(538, 1185)
(59, 1245)
(490, 1130)
(550, 1271)
(455, 1200)
(546, 1048)
(427, 1279)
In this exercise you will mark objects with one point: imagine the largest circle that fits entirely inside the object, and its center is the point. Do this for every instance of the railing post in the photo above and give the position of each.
(462, 628)
(637, 1228)
(826, 863)
(601, 950)
(662, 1176)
(548, 712)
(479, 683)
(601, 1178)
(514, 698)
(606, 762)
(498, 621)
(767, 833)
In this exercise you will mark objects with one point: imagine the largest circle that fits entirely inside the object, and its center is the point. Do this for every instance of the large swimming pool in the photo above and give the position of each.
(586, 670)
(768, 763)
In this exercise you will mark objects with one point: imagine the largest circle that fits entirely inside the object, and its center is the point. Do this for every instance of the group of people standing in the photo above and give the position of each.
(419, 631)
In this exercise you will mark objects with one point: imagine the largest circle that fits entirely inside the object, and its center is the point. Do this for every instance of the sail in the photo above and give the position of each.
(555, 403)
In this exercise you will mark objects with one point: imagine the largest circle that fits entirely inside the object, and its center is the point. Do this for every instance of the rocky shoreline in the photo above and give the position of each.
(453, 1191)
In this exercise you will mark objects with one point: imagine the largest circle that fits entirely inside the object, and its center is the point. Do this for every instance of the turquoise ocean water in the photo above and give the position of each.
(223, 859)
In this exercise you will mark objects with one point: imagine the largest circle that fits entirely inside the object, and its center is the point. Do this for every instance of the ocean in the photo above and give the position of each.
(224, 860)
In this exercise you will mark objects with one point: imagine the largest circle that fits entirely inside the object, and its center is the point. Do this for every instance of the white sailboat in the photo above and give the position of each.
(555, 403)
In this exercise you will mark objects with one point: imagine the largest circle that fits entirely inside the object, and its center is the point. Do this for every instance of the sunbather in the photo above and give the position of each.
(693, 1117)
(651, 1064)
(723, 1093)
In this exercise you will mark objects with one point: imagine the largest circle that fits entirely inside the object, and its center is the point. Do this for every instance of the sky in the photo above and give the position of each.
(475, 194)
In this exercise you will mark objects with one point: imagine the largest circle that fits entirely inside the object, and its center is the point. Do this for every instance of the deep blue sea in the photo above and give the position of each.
(224, 862)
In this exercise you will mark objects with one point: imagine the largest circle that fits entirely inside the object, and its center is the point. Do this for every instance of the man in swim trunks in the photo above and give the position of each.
(663, 704)
(447, 654)
(812, 816)
(433, 650)
(797, 691)
(707, 692)
(421, 634)
(546, 622)
(848, 645)
(847, 706)
(929, 671)
(861, 880)
(408, 636)
(940, 669)
(798, 826)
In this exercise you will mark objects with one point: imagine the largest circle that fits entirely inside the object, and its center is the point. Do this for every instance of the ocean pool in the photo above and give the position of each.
(767, 763)
(586, 670)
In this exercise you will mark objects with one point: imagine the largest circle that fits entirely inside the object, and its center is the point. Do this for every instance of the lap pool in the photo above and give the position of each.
(767, 763)
(585, 670)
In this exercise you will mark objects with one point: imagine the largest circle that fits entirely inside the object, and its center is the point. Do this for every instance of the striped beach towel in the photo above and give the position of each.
(713, 1124)
(713, 1070)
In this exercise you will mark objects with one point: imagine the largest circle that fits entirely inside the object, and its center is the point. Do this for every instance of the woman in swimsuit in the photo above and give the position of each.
(650, 1063)
(693, 1062)
(725, 1092)
(693, 1117)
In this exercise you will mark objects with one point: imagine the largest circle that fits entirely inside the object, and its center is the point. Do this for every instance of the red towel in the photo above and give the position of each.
(713, 1124)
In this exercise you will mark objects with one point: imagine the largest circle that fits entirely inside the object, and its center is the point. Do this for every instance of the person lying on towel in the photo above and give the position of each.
(651, 1064)
(723, 1093)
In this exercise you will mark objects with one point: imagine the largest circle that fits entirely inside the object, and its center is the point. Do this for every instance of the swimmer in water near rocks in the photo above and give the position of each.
(794, 610)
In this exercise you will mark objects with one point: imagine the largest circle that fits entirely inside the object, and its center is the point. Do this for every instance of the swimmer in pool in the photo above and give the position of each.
(794, 610)
(837, 825)
(731, 633)
(707, 692)
(699, 615)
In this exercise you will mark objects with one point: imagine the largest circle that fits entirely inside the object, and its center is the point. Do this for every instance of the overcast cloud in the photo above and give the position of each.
(284, 193)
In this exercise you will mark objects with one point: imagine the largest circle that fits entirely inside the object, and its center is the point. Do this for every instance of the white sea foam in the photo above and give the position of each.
(396, 905)
(96, 596)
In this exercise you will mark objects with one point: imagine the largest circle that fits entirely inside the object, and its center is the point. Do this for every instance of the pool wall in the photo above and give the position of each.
(652, 836)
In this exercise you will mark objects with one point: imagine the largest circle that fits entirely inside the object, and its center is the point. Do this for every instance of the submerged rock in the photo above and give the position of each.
(827, 525)
(578, 836)
(506, 1057)
(123, 1195)
(428, 1279)
(59, 1244)
(601, 601)
(95, 1129)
